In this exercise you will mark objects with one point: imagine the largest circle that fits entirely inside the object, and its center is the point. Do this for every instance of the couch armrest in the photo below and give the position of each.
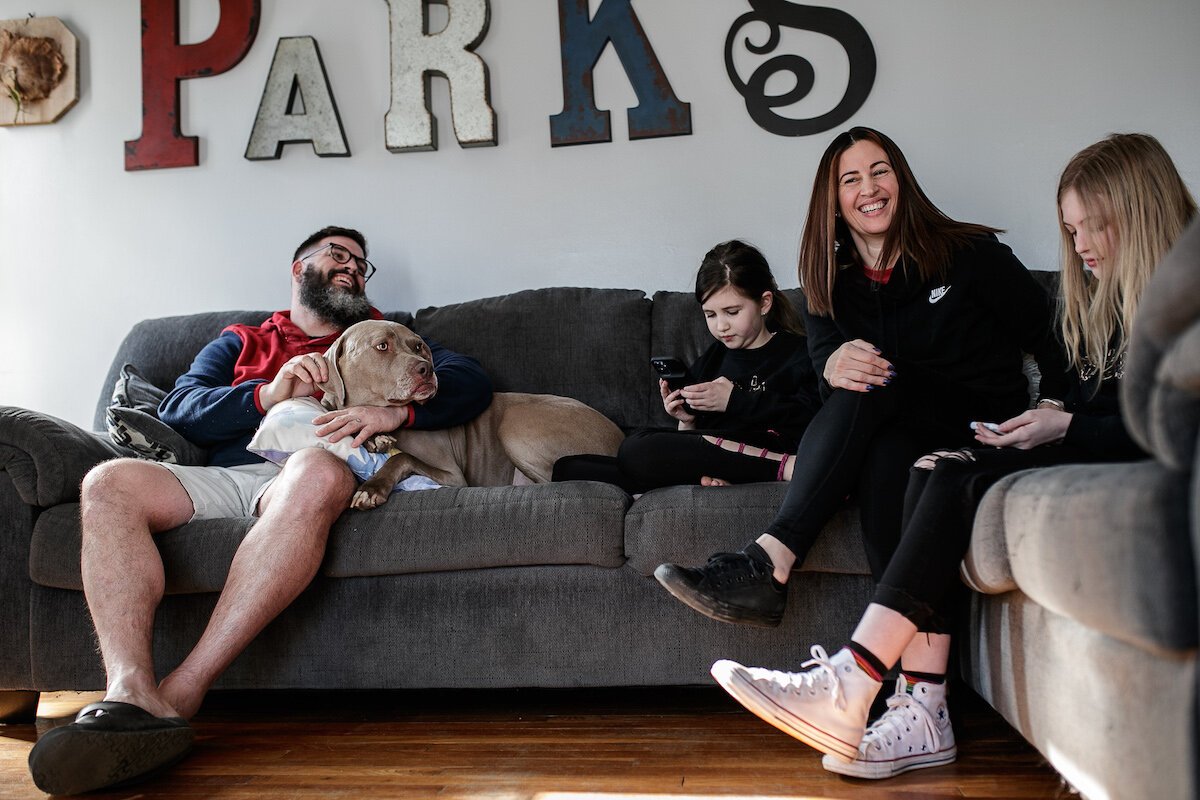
(1108, 546)
(46, 458)
(985, 567)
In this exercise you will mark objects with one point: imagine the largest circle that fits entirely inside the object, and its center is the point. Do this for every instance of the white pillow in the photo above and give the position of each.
(288, 427)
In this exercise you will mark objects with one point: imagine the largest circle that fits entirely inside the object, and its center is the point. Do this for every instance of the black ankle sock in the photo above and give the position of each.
(924, 677)
(870, 658)
(756, 552)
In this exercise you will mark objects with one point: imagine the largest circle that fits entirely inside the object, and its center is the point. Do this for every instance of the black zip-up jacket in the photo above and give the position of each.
(957, 343)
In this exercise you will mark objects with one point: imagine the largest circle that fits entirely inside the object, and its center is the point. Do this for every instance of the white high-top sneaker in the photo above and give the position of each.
(825, 707)
(913, 733)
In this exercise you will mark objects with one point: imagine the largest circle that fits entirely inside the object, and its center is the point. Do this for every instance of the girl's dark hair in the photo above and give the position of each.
(920, 231)
(742, 266)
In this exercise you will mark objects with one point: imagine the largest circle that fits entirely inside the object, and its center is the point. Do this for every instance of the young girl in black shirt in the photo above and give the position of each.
(751, 393)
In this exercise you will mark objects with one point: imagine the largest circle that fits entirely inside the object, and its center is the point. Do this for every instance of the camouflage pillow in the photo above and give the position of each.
(132, 422)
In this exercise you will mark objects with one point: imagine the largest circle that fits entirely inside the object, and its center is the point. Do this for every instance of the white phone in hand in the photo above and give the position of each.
(991, 426)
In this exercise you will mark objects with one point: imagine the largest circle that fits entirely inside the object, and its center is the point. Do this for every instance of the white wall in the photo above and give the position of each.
(987, 99)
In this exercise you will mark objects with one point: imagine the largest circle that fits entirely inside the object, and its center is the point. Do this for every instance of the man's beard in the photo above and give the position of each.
(340, 306)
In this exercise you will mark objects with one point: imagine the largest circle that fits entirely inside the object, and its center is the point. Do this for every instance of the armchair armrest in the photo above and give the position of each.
(46, 457)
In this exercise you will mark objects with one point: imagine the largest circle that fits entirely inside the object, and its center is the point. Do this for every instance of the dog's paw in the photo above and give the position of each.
(380, 443)
(368, 497)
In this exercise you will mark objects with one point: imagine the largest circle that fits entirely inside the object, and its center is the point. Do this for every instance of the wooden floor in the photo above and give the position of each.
(529, 745)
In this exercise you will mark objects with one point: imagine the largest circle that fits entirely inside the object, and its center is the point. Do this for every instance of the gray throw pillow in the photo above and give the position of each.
(132, 390)
(133, 422)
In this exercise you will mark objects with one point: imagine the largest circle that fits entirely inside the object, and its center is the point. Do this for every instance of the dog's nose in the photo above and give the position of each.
(424, 369)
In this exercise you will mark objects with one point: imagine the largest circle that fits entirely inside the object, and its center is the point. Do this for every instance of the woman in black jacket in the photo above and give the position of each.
(1122, 205)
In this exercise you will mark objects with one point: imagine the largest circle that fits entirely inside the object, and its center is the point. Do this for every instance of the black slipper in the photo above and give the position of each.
(108, 744)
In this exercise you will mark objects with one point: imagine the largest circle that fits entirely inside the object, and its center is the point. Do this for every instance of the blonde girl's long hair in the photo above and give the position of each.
(1128, 185)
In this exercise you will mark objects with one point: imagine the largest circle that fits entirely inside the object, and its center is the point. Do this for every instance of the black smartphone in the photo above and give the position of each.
(673, 371)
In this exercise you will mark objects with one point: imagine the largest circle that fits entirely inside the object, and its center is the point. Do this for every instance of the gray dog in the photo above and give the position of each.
(516, 440)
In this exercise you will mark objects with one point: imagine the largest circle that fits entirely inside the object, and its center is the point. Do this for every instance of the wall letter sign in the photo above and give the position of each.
(658, 113)
(416, 55)
(165, 62)
(297, 104)
(828, 21)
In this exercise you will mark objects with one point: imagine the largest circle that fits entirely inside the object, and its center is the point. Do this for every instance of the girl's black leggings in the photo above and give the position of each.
(921, 580)
(656, 457)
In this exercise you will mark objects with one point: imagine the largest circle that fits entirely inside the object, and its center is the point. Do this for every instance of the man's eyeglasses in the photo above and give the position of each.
(343, 256)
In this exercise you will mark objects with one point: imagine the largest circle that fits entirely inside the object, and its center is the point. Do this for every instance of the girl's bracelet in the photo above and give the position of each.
(1047, 402)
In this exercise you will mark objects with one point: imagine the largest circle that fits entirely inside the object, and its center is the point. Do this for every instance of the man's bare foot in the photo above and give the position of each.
(182, 694)
(149, 700)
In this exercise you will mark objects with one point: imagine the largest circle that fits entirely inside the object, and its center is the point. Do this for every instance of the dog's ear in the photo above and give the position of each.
(335, 388)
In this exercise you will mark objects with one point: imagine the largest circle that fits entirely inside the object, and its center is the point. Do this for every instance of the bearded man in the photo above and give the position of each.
(142, 724)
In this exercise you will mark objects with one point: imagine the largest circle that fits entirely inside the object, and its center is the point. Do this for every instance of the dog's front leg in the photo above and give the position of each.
(378, 488)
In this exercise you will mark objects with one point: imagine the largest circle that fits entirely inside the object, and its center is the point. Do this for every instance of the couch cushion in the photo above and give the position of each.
(1106, 545)
(687, 524)
(196, 557)
(1159, 395)
(434, 531)
(1174, 411)
(480, 527)
(590, 344)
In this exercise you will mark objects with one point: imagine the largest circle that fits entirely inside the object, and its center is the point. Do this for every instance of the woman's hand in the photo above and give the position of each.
(1035, 427)
(712, 396)
(673, 402)
(857, 366)
(361, 422)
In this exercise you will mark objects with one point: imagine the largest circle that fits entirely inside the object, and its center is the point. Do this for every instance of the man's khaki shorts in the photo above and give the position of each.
(221, 492)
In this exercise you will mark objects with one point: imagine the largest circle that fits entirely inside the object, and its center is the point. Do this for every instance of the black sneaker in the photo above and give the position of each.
(731, 587)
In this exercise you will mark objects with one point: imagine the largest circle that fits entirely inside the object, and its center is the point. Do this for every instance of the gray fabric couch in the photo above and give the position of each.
(1085, 617)
(532, 586)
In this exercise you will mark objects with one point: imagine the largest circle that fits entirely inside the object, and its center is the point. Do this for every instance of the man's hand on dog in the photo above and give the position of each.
(361, 422)
(297, 378)
(300, 377)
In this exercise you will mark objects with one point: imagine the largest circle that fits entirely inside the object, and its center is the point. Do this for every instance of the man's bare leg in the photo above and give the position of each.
(123, 503)
(274, 563)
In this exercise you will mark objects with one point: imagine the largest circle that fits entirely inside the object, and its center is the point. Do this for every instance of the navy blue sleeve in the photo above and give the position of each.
(203, 406)
(464, 391)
